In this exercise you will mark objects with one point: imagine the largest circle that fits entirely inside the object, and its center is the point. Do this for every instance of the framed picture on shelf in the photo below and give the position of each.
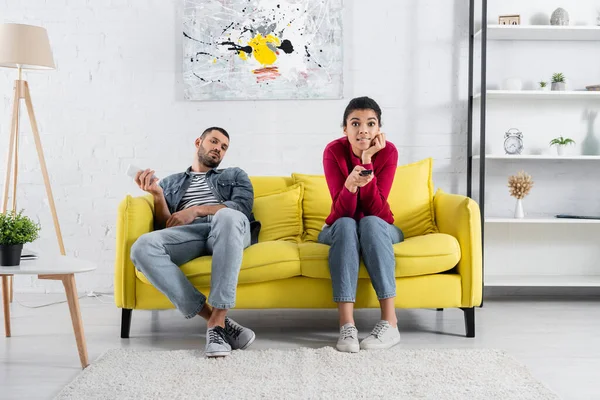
(509, 20)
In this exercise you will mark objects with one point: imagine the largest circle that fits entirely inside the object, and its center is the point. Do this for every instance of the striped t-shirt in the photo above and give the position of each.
(198, 194)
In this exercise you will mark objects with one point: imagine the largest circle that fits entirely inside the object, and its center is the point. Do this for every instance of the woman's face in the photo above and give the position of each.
(361, 128)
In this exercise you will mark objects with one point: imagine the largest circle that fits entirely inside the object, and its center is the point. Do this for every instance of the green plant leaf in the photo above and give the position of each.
(558, 77)
(16, 228)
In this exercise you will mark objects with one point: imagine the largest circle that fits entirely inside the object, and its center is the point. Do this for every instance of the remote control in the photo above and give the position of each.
(132, 171)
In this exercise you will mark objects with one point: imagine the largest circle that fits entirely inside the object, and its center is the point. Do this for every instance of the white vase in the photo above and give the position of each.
(560, 150)
(519, 209)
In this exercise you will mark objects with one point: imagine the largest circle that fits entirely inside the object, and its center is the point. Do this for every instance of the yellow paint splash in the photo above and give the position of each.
(262, 52)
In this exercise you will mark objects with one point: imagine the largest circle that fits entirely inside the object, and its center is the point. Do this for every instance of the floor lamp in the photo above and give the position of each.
(25, 47)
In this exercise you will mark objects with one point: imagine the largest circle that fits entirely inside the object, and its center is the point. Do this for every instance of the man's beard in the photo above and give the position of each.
(205, 159)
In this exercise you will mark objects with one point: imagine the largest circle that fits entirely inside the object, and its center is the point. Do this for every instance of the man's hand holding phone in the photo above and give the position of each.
(357, 178)
(146, 180)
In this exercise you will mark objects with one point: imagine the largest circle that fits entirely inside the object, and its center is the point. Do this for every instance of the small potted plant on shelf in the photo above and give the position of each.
(519, 186)
(558, 81)
(15, 230)
(561, 143)
(543, 85)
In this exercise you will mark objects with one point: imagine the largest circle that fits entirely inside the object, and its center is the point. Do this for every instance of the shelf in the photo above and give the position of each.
(540, 220)
(537, 157)
(542, 32)
(540, 95)
(543, 280)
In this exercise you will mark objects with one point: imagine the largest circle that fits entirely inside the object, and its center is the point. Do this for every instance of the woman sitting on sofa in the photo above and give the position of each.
(359, 169)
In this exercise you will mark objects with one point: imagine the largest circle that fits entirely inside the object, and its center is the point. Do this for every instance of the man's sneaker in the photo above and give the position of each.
(383, 336)
(348, 341)
(216, 343)
(239, 337)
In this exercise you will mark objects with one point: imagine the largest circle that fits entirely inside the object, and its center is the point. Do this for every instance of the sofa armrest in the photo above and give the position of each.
(460, 217)
(135, 217)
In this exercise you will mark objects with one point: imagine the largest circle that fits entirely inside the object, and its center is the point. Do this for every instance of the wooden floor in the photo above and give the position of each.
(558, 340)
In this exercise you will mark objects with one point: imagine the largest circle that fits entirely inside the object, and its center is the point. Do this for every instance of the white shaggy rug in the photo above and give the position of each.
(307, 374)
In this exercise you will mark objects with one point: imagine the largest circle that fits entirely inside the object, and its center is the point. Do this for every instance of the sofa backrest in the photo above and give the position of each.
(295, 208)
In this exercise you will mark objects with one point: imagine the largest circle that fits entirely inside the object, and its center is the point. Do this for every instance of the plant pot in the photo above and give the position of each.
(559, 86)
(10, 255)
(560, 150)
(519, 209)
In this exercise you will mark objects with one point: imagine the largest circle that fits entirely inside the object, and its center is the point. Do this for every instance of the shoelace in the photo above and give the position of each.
(216, 335)
(349, 332)
(379, 329)
(232, 330)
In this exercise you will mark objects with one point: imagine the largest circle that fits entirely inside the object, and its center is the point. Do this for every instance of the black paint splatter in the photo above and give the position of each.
(237, 48)
(204, 80)
(227, 27)
(286, 46)
(199, 41)
(309, 56)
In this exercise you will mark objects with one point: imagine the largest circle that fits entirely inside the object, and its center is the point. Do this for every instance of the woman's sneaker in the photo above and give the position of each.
(383, 336)
(216, 343)
(348, 341)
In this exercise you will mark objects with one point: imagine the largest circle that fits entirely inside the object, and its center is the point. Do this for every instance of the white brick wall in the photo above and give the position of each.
(116, 97)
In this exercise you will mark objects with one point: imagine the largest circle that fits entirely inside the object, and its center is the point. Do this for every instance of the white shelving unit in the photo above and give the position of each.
(544, 280)
(512, 234)
(537, 157)
(542, 32)
(540, 95)
(546, 220)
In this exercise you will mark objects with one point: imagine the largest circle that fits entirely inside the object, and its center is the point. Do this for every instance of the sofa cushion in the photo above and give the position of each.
(269, 184)
(280, 214)
(316, 204)
(419, 255)
(262, 262)
(411, 199)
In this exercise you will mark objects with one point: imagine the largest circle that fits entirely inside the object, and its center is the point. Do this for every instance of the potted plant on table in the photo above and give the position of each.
(15, 230)
(561, 143)
(543, 85)
(558, 82)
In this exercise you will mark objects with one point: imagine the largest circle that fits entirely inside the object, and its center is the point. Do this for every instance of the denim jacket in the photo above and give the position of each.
(231, 187)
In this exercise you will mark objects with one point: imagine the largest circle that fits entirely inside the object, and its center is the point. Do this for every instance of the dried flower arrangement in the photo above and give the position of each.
(520, 185)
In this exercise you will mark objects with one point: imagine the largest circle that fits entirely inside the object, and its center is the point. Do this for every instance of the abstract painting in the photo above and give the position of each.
(262, 49)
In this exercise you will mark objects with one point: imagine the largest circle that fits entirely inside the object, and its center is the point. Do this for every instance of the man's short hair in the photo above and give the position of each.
(215, 128)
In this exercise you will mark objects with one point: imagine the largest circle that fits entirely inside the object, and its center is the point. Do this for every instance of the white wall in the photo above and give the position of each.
(116, 97)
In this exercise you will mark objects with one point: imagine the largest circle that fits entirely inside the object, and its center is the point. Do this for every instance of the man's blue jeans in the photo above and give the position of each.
(372, 238)
(159, 254)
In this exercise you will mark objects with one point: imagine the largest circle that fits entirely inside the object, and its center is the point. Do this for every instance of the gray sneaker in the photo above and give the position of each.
(383, 336)
(348, 341)
(216, 343)
(238, 336)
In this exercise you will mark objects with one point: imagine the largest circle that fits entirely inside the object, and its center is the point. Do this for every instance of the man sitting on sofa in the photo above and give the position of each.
(198, 212)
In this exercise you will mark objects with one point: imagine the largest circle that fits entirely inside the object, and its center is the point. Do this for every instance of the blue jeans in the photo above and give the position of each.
(159, 254)
(373, 238)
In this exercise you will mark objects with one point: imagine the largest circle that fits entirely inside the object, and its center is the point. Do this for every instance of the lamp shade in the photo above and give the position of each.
(25, 46)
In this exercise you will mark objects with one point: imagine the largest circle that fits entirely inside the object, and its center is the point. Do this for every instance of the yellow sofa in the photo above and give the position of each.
(438, 265)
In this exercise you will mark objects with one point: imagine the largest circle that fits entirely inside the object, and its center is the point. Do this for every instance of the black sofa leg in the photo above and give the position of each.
(125, 322)
(440, 309)
(470, 321)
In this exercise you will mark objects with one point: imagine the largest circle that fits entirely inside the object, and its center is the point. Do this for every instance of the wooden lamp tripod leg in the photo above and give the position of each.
(12, 151)
(38, 145)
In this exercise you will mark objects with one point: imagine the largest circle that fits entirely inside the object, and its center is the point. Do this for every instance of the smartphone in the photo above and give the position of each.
(366, 172)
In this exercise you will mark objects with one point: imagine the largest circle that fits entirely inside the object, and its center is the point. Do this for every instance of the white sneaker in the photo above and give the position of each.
(383, 336)
(348, 341)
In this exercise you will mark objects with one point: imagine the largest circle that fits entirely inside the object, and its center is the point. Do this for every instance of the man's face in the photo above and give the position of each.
(212, 148)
